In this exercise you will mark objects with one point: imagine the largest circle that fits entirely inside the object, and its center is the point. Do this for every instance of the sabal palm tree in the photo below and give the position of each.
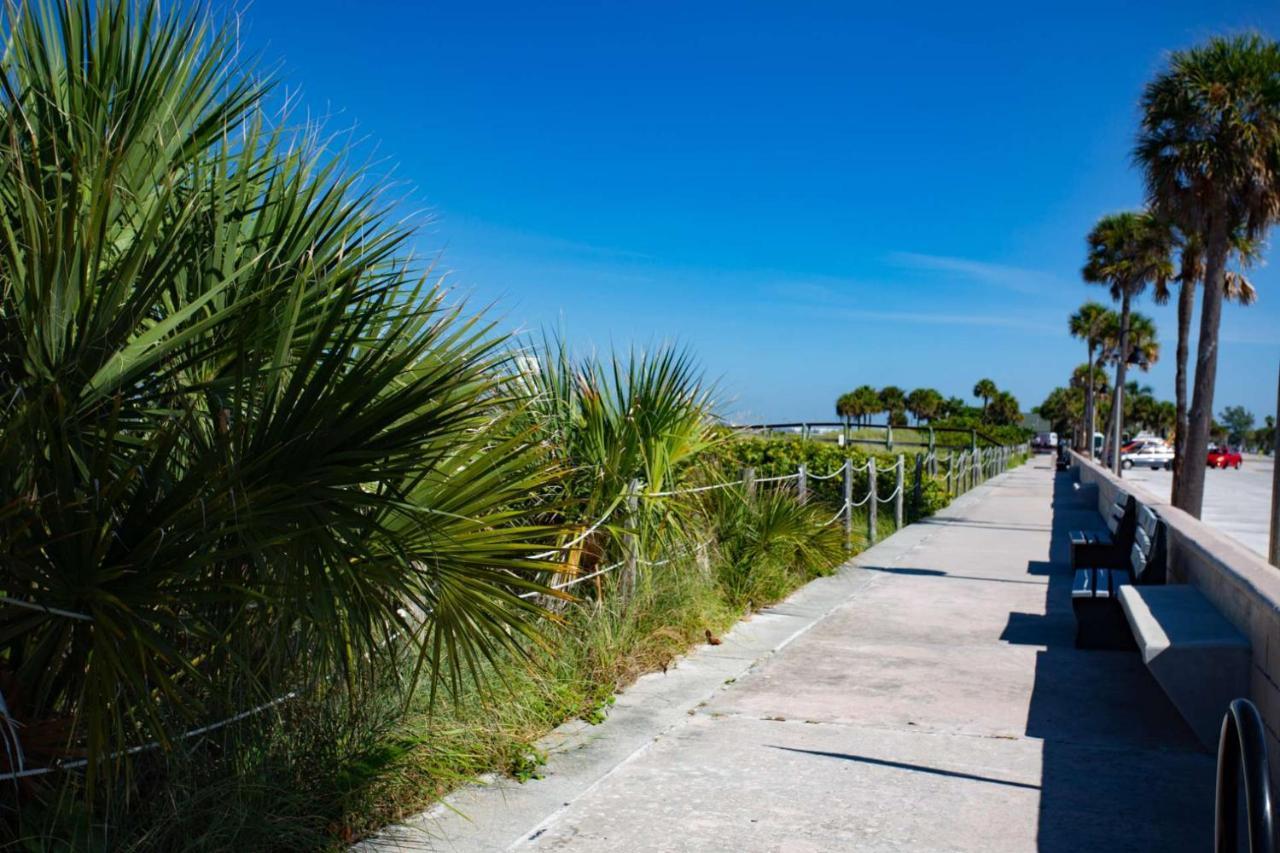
(893, 400)
(923, 403)
(866, 402)
(1091, 379)
(1087, 324)
(985, 389)
(253, 444)
(1190, 272)
(846, 407)
(1209, 145)
(1004, 409)
(1127, 251)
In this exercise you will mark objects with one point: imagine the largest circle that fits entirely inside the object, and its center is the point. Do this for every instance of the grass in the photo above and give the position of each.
(324, 776)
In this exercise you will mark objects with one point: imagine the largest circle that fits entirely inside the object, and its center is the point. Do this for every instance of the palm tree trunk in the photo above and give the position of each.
(1088, 407)
(1191, 489)
(1117, 402)
(1186, 304)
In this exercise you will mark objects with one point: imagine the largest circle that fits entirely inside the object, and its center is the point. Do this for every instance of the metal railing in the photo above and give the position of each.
(1242, 754)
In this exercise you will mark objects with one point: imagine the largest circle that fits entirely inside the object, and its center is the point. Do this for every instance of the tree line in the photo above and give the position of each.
(927, 405)
(1208, 145)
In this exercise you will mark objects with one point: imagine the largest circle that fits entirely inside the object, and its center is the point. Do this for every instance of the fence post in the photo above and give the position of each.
(749, 482)
(917, 502)
(951, 465)
(977, 469)
(848, 499)
(632, 540)
(888, 436)
(872, 502)
(802, 484)
(897, 501)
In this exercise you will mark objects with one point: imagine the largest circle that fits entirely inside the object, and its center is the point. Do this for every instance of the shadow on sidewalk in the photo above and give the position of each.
(1120, 769)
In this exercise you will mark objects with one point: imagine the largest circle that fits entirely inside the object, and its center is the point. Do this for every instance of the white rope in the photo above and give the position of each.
(777, 479)
(893, 495)
(694, 490)
(861, 502)
(835, 517)
(31, 605)
(835, 473)
(684, 553)
(577, 580)
(155, 744)
(576, 540)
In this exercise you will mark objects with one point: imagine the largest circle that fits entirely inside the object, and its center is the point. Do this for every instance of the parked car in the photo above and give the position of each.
(1224, 457)
(1147, 454)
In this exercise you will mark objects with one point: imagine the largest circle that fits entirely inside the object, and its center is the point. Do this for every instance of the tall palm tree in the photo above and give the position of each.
(985, 389)
(1087, 324)
(1190, 272)
(1209, 145)
(1127, 251)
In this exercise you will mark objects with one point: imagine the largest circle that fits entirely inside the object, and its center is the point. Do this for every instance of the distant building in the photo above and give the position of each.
(1035, 423)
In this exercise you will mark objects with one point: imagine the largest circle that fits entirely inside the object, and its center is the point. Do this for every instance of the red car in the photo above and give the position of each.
(1224, 457)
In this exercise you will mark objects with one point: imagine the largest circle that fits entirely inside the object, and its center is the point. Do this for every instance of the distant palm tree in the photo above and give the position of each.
(1080, 378)
(894, 401)
(1004, 409)
(866, 402)
(1127, 251)
(846, 407)
(985, 389)
(1210, 147)
(924, 403)
(1087, 324)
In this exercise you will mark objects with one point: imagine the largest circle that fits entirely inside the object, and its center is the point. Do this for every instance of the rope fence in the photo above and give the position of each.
(963, 471)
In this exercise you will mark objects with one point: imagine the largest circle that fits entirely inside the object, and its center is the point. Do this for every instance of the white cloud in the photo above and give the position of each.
(1018, 279)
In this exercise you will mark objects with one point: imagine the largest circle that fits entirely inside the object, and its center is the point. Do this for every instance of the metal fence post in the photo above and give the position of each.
(802, 484)
(749, 482)
(897, 501)
(632, 540)
(872, 502)
(848, 501)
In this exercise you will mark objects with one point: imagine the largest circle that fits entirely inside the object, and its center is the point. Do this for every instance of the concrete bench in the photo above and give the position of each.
(1107, 547)
(1100, 622)
(1198, 657)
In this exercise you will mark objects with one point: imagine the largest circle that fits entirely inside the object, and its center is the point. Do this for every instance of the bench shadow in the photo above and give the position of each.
(1120, 768)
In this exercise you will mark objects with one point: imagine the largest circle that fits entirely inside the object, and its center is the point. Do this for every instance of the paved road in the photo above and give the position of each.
(928, 697)
(1235, 502)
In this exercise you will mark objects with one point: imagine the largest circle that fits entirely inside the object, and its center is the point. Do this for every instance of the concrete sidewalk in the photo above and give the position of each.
(928, 697)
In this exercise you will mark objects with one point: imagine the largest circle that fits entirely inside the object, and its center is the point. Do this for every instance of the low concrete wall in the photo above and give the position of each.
(1240, 583)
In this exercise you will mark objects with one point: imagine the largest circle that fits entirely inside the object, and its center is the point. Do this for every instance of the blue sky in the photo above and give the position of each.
(810, 196)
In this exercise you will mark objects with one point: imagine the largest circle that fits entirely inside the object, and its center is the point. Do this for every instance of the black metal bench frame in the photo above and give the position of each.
(1100, 620)
(1107, 548)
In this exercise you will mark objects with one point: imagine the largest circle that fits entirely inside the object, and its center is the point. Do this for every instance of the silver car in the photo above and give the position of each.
(1150, 454)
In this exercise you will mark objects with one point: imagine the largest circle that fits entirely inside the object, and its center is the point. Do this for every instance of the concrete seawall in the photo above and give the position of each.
(1239, 583)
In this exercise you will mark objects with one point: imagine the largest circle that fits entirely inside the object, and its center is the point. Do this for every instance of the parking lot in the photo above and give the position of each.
(1235, 502)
